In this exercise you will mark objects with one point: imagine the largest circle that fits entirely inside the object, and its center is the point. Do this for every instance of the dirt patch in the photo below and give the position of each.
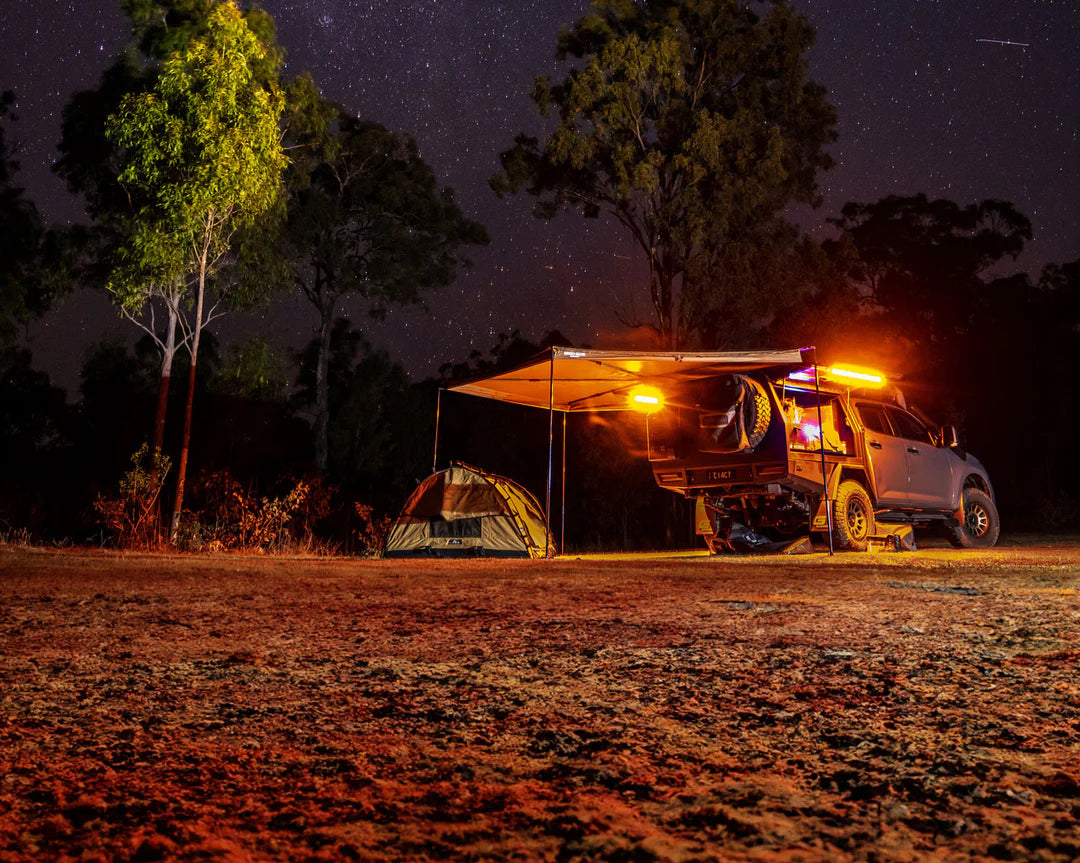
(868, 707)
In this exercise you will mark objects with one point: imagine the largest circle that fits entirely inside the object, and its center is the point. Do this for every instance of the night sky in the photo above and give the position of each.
(955, 98)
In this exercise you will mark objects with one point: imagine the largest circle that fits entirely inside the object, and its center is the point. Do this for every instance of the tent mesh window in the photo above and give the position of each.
(458, 528)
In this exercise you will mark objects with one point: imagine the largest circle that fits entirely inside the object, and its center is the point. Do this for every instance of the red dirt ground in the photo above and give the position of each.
(879, 707)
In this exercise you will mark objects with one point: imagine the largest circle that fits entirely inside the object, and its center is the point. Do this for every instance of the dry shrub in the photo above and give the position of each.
(316, 506)
(17, 537)
(237, 520)
(131, 517)
(373, 530)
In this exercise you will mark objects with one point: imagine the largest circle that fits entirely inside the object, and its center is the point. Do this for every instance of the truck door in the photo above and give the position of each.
(888, 458)
(929, 467)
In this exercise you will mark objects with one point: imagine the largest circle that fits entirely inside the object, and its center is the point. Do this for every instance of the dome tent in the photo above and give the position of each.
(465, 512)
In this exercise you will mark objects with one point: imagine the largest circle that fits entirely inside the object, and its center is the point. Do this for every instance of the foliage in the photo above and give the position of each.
(228, 516)
(316, 507)
(254, 368)
(90, 161)
(365, 388)
(203, 148)
(923, 263)
(15, 537)
(373, 530)
(693, 123)
(367, 218)
(511, 350)
(34, 413)
(131, 516)
(22, 295)
(164, 27)
(232, 518)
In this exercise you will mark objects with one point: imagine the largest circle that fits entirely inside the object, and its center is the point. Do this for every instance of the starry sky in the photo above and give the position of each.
(963, 99)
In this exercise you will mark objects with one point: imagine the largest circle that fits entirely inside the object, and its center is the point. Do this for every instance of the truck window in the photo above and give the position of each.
(909, 427)
(873, 418)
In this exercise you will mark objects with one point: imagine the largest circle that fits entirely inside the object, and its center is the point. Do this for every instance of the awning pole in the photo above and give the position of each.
(438, 410)
(551, 444)
(821, 443)
(562, 527)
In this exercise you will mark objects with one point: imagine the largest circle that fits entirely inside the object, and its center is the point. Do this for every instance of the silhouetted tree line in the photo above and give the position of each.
(690, 122)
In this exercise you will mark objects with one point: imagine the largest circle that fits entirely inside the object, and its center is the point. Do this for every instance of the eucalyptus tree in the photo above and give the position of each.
(91, 161)
(691, 122)
(202, 157)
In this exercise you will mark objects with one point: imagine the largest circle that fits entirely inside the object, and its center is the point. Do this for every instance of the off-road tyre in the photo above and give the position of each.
(756, 412)
(853, 517)
(981, 526)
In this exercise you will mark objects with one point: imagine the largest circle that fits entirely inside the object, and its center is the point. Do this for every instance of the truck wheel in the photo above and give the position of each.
(981, 525)
(853, 519)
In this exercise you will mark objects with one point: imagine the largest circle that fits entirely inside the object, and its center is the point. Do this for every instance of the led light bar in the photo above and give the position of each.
(867, 377)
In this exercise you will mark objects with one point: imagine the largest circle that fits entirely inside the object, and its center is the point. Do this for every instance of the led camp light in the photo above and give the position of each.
(647, 399)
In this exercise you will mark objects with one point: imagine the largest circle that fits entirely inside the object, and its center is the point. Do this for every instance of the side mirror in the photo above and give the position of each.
(949, 438)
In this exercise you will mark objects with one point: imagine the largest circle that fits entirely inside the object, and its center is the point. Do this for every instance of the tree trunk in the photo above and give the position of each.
(661, 288)
(181, 469)
(163, 386)
(322, 388)
(324, 301)
(168, 353)
(665, 310)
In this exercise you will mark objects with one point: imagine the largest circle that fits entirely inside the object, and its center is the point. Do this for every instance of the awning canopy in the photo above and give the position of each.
(572, 380)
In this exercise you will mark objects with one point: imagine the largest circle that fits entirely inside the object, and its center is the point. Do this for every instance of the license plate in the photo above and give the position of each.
(720, 475)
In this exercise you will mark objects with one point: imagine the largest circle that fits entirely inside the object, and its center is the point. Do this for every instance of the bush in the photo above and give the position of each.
(231, 518)
(373, 530)
(132, 516)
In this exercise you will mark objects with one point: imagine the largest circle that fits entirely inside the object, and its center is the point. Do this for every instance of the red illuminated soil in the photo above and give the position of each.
(917, 706)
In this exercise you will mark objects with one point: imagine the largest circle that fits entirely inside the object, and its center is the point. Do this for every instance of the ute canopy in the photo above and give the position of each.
(465, 512)
(571, 380)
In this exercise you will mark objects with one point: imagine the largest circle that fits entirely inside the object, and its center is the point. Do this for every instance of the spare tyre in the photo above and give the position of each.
(740, 418)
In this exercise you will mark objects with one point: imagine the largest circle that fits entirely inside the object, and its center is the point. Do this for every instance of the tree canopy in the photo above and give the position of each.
(22, 293)
(694, 124)
(203, 148)
(925, 264)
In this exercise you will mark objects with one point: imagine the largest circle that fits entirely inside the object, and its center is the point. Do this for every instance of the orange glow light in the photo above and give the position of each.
(647, 399)
(852, 374)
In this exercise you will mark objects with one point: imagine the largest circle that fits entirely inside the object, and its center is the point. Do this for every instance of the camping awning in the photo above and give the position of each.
(571, 379)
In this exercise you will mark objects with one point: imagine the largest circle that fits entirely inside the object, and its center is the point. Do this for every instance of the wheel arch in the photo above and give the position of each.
(975, 480)
(852, 472)
(972, 480)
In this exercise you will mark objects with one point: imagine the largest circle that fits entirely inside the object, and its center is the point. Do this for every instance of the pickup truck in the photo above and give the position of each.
(780, 457)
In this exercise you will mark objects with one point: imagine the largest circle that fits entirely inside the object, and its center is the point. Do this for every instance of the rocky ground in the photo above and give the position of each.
(884, 707)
